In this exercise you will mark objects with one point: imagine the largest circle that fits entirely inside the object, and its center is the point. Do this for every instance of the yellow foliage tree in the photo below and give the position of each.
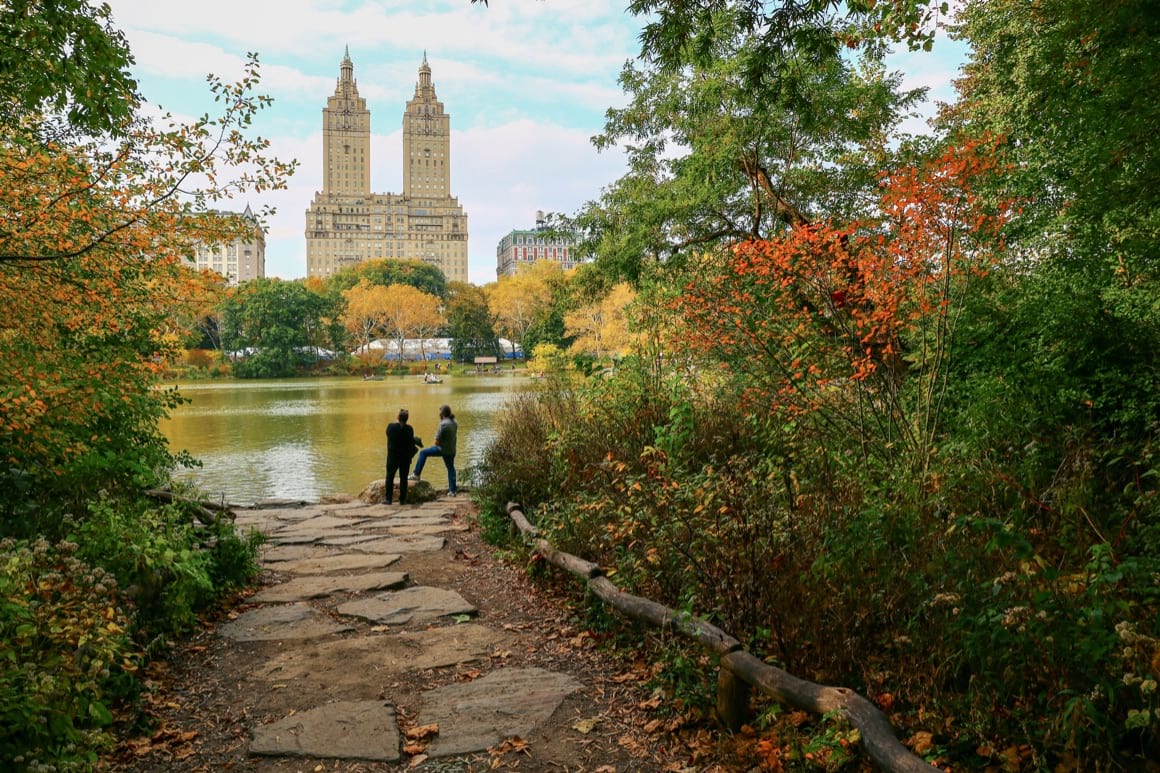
(410, 313)
(601, 327)
(518, 302)
(365, 315)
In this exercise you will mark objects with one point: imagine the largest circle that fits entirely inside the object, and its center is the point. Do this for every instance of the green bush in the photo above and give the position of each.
(66, 652)
(169, 568)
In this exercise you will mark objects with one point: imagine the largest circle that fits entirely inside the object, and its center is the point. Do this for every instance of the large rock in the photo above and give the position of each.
(411, 605)
(405, 543)
(418, 492)
(320, 586)
(292, 621)
(319, 661)
(477, 715)
(359, 730)
(342, 563)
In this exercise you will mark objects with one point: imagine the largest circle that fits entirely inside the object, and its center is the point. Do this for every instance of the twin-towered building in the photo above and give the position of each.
(347, 223)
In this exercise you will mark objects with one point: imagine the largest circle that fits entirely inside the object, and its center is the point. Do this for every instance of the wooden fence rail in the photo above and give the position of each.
(740, 670)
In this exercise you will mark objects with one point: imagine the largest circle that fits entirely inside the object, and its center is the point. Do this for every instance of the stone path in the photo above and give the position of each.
(344, 635)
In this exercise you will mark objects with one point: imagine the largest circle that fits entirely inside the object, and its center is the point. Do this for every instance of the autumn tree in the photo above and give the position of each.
(601, 328)
(92, 234)
(518, 302)
(365, 313)
(410, 313)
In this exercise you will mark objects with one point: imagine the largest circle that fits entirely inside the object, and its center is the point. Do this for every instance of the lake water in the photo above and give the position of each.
(316, 437)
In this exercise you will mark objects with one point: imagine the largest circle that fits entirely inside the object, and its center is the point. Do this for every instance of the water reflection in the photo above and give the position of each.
(310, 438)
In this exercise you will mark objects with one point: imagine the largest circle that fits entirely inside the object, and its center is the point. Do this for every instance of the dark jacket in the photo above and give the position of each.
(401, 442)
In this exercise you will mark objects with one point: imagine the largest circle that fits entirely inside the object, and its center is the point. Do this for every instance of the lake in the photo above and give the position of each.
(314, 437)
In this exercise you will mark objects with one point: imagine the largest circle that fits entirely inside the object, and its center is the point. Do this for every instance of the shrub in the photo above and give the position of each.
(199, 358)
(67, 650)
(169, 568)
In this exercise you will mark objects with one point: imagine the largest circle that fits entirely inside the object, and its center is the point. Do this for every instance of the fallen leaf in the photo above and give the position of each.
(921, 742)
(422, 731)
(585, 725)
(418, 760)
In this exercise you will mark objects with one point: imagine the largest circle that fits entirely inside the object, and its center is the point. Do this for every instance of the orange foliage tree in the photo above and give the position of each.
(93, 237)
(850, 325)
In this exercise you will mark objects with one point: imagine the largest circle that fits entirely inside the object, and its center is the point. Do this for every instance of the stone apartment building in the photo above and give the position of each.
(520, 248)
(239, 260)
(347, 223)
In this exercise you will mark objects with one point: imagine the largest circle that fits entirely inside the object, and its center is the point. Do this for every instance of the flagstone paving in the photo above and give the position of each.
(342, 638)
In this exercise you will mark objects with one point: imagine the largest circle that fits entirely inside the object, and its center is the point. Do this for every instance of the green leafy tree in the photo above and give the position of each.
(414, 273)
(64, 68)
(274, 322)
(713, 162)
(469, 323)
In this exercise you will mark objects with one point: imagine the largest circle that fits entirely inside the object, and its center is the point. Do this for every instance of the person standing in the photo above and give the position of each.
(401, 446)
(445, 438)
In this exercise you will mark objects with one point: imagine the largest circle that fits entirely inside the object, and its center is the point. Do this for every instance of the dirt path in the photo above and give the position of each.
(388, 638)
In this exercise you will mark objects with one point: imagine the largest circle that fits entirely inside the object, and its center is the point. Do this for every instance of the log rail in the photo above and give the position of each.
(740, 671)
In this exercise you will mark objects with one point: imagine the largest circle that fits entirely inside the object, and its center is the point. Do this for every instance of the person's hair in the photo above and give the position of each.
(403, 415)
(445, 412)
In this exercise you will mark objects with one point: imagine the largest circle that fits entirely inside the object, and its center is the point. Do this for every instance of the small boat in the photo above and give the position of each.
(372, 378)
(429, 379)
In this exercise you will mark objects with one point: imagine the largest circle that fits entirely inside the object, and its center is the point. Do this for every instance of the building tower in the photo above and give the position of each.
(426, 142)
(346, 137)
(347, 223)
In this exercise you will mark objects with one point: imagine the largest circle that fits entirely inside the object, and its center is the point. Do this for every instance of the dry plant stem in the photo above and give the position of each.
(878, 737)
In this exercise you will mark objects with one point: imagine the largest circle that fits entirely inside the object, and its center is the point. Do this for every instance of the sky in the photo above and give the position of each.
(527, 84)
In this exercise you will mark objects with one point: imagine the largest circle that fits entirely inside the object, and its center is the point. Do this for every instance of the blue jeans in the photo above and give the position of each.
(448, 462)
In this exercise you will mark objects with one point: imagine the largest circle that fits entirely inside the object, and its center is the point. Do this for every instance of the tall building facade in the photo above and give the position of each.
(347, 223)
(239, 260)
(520, 248)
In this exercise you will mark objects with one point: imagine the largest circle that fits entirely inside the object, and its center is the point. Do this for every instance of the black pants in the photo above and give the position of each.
(402, 468)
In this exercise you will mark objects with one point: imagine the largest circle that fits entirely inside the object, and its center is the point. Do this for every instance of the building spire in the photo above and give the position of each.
(346, 69)
(424, 85)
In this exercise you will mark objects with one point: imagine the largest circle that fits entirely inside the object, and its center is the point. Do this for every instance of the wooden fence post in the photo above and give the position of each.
(732, 700)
